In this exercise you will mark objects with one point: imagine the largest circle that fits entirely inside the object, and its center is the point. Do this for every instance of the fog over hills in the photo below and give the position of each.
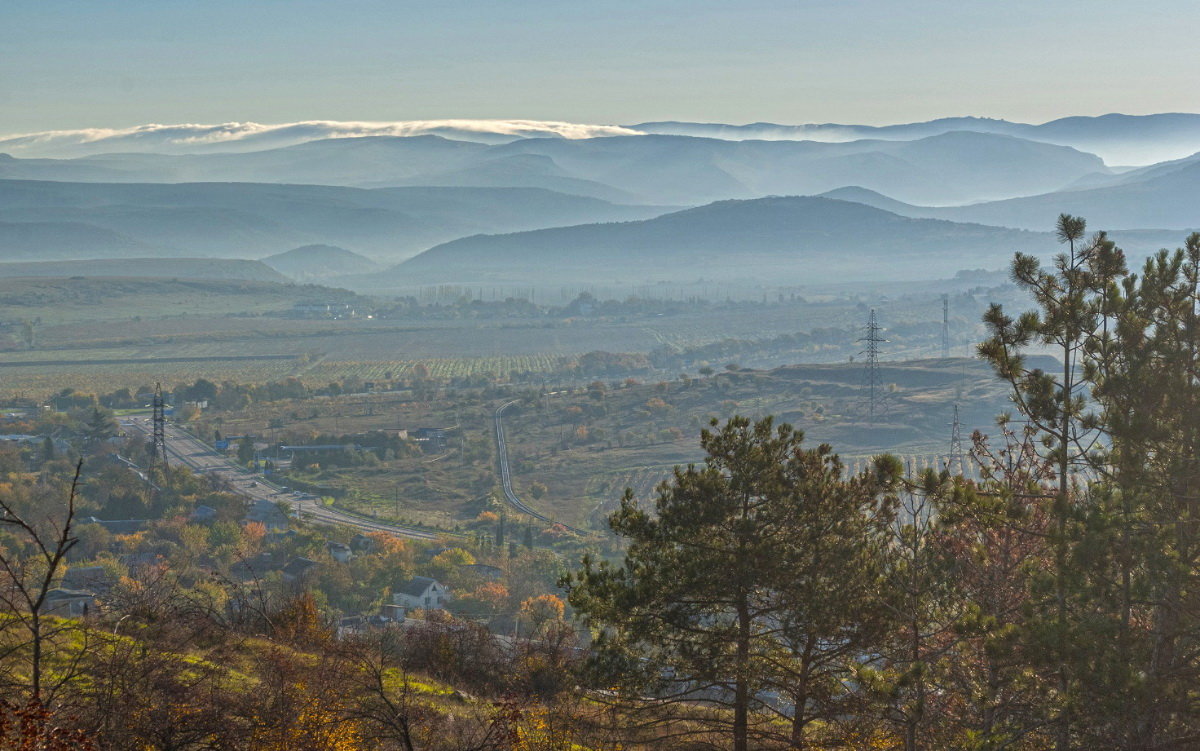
(162, 268)
(1165, 196)
(255, 220)
(786, 240)
(247, 136)
(948, 168)
(36, 241)
(556, 199)
(319, 262)
(1118, 139)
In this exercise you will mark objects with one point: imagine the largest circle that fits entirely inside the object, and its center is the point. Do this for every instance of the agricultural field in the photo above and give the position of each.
(573, 447)
(102, 335)
(587, 447)
(574, 450)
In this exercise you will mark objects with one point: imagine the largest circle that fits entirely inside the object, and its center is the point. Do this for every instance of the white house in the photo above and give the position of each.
(339, 551)
(421, 592)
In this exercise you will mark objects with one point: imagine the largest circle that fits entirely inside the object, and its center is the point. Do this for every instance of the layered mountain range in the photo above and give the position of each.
(529, 201)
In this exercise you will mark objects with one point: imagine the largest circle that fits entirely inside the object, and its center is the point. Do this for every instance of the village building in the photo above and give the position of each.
(421, 592)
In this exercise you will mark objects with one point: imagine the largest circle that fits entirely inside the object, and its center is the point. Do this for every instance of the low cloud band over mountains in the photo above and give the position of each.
(522, 200)
(1118, 139)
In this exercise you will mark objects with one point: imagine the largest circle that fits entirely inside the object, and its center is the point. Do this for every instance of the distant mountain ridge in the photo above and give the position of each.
(1118, 138)
(319, 262)
(945, 168)
(147, 268)
(1165, 196)
(786, 240)
(255, 220)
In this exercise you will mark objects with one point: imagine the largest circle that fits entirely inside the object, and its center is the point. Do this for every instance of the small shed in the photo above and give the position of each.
(72, 603)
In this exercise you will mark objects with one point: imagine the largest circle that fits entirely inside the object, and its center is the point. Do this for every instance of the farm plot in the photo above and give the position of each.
(43, 380)
(438, 367)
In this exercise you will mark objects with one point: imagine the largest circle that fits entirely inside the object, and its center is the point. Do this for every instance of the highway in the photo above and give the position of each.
(185, 449)
(506, 474)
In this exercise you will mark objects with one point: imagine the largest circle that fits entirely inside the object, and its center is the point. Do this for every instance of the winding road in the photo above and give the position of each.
(506, 474)
(194, 454)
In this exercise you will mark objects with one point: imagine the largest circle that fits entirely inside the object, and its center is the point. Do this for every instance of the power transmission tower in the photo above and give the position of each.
(956, 461)
(945, 325)
(158, 451)
(874, 385)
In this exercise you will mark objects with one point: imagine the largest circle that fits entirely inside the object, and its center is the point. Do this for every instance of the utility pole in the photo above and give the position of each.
(945, 326)
(873, 339)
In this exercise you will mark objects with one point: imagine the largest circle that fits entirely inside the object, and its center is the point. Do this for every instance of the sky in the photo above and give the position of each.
(91, 63)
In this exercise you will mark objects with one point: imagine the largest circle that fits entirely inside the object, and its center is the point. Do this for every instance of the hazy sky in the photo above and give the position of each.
(126, 62)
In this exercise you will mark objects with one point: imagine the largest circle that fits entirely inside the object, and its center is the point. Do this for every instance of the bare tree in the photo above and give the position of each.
(31, 562)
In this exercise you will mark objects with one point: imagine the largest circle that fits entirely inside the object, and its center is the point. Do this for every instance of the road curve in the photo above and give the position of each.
(191, 452)
(506, 474)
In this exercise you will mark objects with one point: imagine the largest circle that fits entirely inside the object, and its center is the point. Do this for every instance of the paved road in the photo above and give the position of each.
(506, 474)
(197, 456)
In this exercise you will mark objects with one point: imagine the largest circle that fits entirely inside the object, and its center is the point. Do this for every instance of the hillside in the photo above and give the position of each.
(1165, 196)
(941, 168)
(148, 268)
(947, 168)
(38, 241)
(1166, 199)
(252, 219)
(782, 239)
(319, 261)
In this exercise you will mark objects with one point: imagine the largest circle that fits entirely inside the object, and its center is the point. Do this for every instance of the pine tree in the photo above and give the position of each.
(1056, 406)
(1122, 427)
(729, 592)
(100, 427)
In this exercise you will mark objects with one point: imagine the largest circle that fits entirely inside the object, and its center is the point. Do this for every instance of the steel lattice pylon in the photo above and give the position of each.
(158, 449)
(945, 325)
(956, 460)
(873, 339)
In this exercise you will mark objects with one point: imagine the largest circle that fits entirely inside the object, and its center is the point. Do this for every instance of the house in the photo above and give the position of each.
(266, 513)
(87, 578)
(421, 592)
(361, 543)
(323, 310)
(298, 569)
(203, 515)
(254, 568)
(339, 551)
(72, 603)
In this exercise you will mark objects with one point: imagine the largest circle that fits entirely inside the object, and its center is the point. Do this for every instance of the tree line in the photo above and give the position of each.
(775, 600)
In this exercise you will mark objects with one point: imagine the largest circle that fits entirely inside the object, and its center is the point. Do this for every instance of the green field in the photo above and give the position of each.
(98, 335)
